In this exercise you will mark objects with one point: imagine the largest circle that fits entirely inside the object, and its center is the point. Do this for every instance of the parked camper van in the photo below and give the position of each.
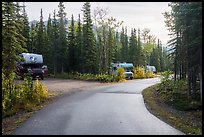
(150, 69)
(128, 69)
(33, 64)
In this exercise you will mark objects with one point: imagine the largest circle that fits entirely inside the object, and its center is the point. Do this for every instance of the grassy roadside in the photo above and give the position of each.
(189, 122)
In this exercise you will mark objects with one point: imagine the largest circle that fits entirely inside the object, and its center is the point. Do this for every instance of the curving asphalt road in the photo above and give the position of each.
(116, 109)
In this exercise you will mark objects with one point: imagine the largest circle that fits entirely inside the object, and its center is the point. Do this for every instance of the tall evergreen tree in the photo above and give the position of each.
(13, 42)
(79, 43)
(161, 56)
(19, 17)
(48, 54)
(126, 47)
(139, 48)
(122, 40)
(110, 49)
(55, 46)
(124, 44)
(133, 48)
(62, 37)
(185, 24)
(33, 36)
(73, 60)
(89, 42)
(41, 36)
(154, 59)
(26, 29)
(117, 48)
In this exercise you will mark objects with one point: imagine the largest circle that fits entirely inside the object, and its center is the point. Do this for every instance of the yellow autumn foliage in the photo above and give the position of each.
(121, 74)
(24, 96)
(139, 72)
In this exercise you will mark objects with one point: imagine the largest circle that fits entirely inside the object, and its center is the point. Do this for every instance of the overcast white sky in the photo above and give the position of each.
(134, 14)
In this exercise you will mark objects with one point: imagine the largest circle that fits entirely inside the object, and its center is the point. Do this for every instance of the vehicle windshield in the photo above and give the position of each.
(128, 69)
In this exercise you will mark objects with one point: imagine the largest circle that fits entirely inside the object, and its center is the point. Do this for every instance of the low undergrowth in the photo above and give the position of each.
(170, 102)
(17, 97)
(10, 123)
(93, 77)
(139, 73)
(176, 93)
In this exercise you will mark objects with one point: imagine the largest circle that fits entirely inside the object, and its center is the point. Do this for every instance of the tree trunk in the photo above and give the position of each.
(200, 74)
(194, 77)
(200, 85)
(62, 71)
(189, 83)
(54, 69)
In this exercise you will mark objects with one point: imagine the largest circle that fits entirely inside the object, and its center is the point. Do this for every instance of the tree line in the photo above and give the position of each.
(185, 25)
(88, 46)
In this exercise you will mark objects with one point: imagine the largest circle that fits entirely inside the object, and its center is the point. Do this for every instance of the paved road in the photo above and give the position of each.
(115, 109)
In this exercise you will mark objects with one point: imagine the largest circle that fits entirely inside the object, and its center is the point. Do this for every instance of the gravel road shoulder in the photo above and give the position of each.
(69, 86)
(63, 86)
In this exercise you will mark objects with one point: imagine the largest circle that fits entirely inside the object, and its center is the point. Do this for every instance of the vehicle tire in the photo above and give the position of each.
(42, 77)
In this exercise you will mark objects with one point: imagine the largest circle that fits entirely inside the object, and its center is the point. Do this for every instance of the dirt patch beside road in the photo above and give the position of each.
(67, 85)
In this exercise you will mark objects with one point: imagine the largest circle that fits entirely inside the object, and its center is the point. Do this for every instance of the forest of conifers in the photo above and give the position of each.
(92, 43)
(185, 24)
(88, 46)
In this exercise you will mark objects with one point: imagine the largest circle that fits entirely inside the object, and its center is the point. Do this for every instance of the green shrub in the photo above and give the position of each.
(180, 87)
(166, 82)
(166, 75)
(175, 93)
(8, 93)
(89, 77)
(40, 92)
(150, 74)
(23, 96)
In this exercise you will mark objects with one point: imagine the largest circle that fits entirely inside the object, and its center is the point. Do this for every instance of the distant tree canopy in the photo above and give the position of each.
(86, 45)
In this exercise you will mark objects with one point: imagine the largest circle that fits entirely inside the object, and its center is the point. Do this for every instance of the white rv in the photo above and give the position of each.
(32, 63)
(150, 69)
(31, 58)
(128, 69)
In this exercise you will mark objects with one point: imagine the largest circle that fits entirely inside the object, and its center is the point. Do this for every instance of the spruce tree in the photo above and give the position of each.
(55, 46)
(13, 43)
(117, 48)
(126, 57)
(26, 29)
(185, 24)
(79, 44)
(133, 48)
(62, 37)
(110, 49)
(49, 46)
(72, 47)
(33, 36)
(122, 40)
(140, 52)
(41, 36)
(89, 42)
